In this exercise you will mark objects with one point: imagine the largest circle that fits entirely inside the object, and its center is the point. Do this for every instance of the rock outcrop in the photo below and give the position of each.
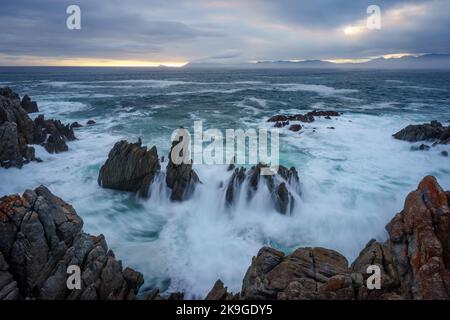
(28, 105)
(40, 237)
(276, 185)
(130, 167)
(427, 131)
(52, 134)
(414, 262)
(18, 131)
(180, 178)
(307, 117)
(219, 292)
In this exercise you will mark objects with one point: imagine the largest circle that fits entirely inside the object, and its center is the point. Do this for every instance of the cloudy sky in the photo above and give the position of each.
(148, 32)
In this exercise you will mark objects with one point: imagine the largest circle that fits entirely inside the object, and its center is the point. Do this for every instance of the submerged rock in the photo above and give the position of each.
(91, 122)
(28, 105)
(40, 236)
(130, 167)
(427, 131)
(295, 127)
(219, 292)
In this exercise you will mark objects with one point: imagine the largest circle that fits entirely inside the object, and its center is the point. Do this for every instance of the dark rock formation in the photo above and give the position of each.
(276, 185)
(17, 131)
(28, 105)
(308, 117)
(75, 125)
(414, 262)
(130, 167)
(424, 147)
(40, 236)
(52, 134)
(90, 122)
(181, 178)
(155, 295)
(444, 153)
(427, 131)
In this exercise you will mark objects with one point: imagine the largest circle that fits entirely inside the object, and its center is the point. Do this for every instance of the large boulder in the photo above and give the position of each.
(427, 131)
(28, 105)
(419, 239)
(180, 178)
(40, 237)
(130, 167)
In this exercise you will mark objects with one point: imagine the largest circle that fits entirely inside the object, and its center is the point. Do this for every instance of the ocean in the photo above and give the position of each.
(354, 178)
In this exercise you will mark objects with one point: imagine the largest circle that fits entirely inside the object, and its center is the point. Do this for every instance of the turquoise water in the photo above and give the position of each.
(353, 178)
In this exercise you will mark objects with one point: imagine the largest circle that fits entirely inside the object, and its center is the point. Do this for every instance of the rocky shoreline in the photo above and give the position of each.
(41, 235)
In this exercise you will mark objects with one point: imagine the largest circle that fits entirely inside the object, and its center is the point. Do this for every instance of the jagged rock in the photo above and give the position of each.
(219, 292)
(28, 105)
(280, 124)
(155, 295)
(378, 254)
(181, 178)
(75, 125)
(8, 286)
(130, 167)
(295, 127)
(52, 134)
(276, 185)
(18, 131)
(12, 153)
(307, 273)
(427, 131)
(40, 236)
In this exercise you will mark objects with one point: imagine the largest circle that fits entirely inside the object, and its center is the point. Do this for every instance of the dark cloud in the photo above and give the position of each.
(227, 30)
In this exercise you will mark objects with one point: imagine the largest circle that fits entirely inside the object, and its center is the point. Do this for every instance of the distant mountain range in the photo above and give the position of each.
(426, 61)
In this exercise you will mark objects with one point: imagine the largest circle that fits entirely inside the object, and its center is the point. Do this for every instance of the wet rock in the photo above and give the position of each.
(414, 262)
(28, 105)
(91, 122)
(307, 273)
(419, 238)
(219, 292)
(295, 127)
(130, 167)
(18, 131)
(332, 128)
(427, 131)
(234, 184)
(180, 178)
(41, 235)
(424, 147)
(281, 124)
(308, 117)
(275, 184)
(444, 153)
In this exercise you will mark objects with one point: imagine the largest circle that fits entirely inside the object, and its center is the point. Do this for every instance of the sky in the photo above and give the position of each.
(172, 33)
